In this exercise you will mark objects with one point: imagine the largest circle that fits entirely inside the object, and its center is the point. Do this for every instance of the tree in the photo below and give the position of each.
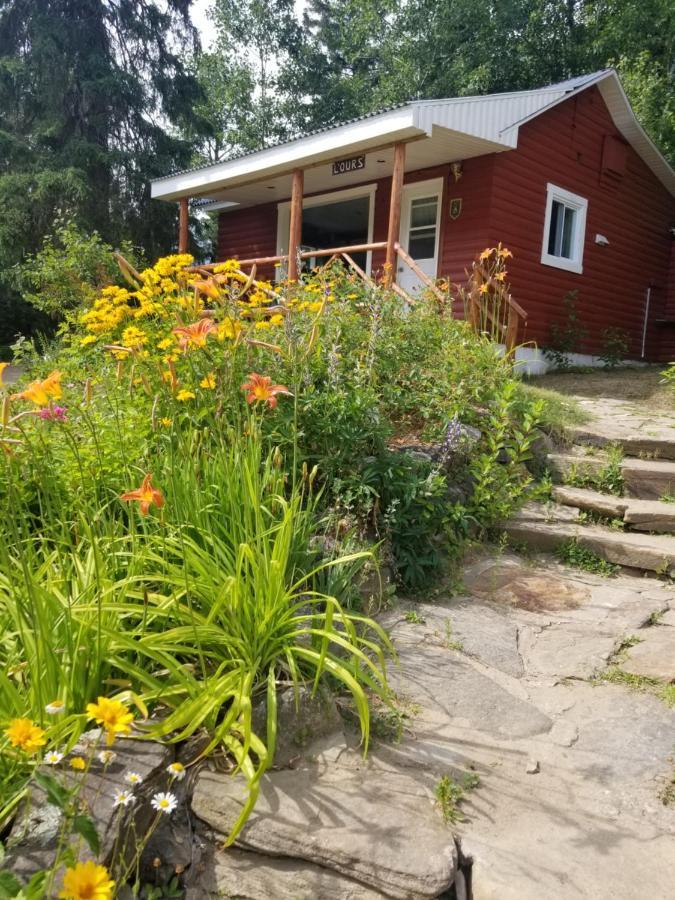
(92, 93)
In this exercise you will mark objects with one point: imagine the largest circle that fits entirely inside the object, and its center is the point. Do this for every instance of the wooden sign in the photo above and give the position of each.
(351, 164)
(455, 207)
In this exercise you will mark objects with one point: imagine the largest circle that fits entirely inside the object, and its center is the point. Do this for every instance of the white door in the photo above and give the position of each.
(420, 226)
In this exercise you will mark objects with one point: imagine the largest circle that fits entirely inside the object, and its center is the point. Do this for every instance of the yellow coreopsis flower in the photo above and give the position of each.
(26, 735)
(183, 396)
(208, 382)
(112, 715)
(87, 881)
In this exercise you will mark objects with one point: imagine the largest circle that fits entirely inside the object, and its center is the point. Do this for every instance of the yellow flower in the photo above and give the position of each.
(486, 253)
(88, 339)
(112, 715)
(25, 735)
(3, 366)
(262, 325)
(87, 881)
(166, 422)
(484, 288)
(134, 337)
(78, 763)
(166, 343)
(500, 276)
(184, 395)
(277, 319)
(41, 392)
(208, 382)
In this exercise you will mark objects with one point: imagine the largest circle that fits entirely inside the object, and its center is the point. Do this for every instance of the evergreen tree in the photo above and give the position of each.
(91, 95)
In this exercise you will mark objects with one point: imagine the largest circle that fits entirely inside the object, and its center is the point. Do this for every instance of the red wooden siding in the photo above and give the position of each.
(634, 211)
(576, 147)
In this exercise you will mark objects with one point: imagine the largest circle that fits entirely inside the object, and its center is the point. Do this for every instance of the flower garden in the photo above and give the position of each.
(197, 477)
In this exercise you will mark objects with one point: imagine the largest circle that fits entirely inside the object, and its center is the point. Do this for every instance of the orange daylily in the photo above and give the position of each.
(146, 495)
(194, 335)
(484, 288)
(42, 392)
(260, 388)
(210, 288)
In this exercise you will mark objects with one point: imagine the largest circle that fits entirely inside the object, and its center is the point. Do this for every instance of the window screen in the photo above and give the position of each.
(422, 235)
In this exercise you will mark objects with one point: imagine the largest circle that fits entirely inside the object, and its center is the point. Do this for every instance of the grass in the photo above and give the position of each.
(643, 386)
(559, 412)
(414, 618)
(572, 553)
(639, 683)
(608, 480)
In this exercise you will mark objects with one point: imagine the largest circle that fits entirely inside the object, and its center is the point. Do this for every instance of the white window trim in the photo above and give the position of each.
(284, 216)
(578, 203)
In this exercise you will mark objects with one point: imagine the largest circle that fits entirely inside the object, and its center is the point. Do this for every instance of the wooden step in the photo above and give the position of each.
(547, 526)
(638, 515)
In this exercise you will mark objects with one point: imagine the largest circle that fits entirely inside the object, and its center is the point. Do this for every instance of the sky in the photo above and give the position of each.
(199, 17)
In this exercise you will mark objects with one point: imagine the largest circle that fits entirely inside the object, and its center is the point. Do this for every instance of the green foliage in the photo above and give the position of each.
(558, 412)
(574, 554)
(69, 270)
(615, 344)
(450, 794)
(500, 478)
(566, 337)
(608, 479)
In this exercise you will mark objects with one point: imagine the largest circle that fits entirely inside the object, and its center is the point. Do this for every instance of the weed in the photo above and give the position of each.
(608, 480)
(567, 337)
(415, 618)
(450, 795)
(573, 553)
(639, 683)
(667, 792)
(450, 641)
(615, 344)
(655, 617)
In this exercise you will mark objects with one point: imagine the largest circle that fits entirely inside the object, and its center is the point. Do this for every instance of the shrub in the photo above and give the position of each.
(567, 337)
(615, 344)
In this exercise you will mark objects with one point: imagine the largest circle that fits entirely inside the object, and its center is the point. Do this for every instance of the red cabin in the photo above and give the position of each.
(564, 176)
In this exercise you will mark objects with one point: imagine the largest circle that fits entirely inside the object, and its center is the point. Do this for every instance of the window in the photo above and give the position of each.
(422, 232)
(564, 229)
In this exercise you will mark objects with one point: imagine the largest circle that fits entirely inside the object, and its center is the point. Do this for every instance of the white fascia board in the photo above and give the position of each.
(398, 124)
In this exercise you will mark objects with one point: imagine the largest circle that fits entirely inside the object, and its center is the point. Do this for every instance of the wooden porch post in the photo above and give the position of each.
(295, 235)
(394, 214)
(183, 226)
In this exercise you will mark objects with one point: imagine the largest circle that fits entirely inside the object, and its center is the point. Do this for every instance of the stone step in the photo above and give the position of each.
(645, 479)
(546, 527)
(657, 446)
(639, 515)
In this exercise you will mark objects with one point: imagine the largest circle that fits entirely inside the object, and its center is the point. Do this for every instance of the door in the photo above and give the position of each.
(420, 227)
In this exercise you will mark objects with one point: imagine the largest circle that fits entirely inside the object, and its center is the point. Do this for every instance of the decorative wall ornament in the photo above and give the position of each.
(455, 207)
(456, 169)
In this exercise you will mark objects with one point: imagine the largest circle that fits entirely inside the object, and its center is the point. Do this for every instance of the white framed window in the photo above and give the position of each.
(564, 229)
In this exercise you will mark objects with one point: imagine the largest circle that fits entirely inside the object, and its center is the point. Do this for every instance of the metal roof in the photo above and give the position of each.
(478, 124)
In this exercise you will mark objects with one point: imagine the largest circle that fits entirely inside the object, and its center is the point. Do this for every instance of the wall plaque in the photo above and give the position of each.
(455, 207)
(351, 164)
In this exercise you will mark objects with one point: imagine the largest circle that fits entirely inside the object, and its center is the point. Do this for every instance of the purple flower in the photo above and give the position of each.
(453, 438)
(53, 413)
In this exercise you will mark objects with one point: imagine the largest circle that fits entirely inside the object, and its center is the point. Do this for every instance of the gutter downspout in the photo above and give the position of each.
(648, 295)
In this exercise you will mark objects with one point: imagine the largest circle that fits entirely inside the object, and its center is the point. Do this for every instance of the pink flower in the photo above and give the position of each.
(53, 413)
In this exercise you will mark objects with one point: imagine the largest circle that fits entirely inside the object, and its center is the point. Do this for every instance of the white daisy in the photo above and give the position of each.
(55, 707)
(107, 756)
(176, 770)
(165, 803)
(123, 798)
(133, 778)
(53, 758)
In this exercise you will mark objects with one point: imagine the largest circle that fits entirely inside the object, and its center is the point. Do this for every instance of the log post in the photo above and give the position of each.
(295, 231)
(394, 214)
(183, 226)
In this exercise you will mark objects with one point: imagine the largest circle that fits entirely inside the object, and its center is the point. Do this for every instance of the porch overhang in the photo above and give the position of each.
(266, 175)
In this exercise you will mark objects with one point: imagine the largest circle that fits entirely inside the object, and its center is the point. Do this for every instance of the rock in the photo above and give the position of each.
(532, 767)
(562, 465)
(242, 875)
(668, 618)
(35, 833)
(593, 501)
(298, 724)
(375, 827)
(649, 479)
(564, 733)
(654, 656)
(650, 515)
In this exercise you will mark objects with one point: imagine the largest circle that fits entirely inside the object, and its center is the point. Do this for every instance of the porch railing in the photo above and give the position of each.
(503, 322)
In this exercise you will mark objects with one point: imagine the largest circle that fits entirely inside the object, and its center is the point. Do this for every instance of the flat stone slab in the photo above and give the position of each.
(620, 422)
(539, 527)
(379, 828)
(593, 501)
(650, 515)
(649, 479)
(654, 656)
(563, 465)
(251, 876)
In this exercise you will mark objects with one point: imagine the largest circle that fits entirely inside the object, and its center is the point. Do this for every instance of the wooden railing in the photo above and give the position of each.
(502, 321)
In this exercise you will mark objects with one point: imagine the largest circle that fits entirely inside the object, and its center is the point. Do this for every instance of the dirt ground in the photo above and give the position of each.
(634, 385)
